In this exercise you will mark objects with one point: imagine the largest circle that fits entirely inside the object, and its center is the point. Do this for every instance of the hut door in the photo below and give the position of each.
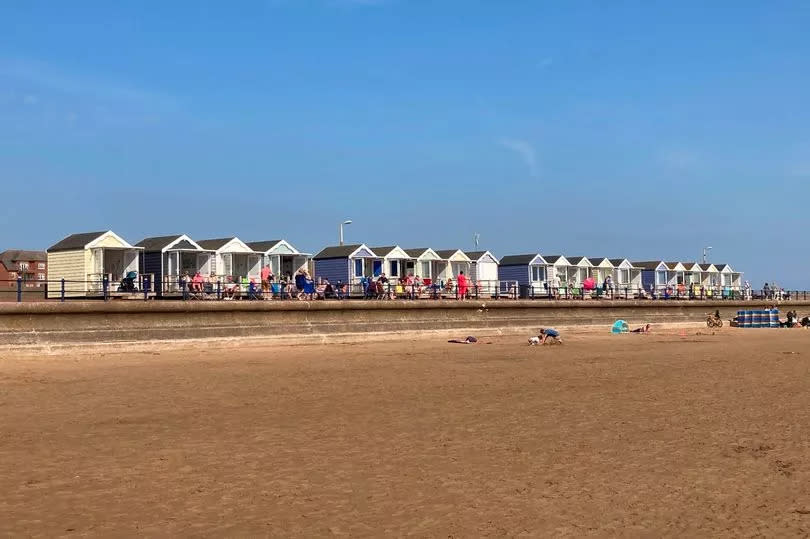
(227, 264)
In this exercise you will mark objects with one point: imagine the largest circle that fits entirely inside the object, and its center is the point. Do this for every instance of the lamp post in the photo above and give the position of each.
(706, 252)
(346, 222)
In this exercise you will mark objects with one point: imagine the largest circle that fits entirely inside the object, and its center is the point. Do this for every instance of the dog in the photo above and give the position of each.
(534, 341)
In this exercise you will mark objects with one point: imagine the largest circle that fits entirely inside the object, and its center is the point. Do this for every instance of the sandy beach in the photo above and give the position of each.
(683, 433)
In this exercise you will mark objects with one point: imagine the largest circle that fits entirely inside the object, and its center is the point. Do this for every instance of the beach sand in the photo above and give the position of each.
(645, 435)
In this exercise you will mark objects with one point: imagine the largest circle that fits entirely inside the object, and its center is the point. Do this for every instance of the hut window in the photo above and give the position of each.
(660, 278)
(538, 273)
(358, 267)
(377, 267)
(624, 276)
(394, 268)
(426, 273)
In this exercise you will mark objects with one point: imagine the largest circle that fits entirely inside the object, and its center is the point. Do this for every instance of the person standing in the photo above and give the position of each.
(462, 286)
(266, 273)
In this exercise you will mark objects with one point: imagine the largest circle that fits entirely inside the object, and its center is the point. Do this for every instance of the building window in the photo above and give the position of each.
(12, 275)
(660, 278)
(624, 276)
(395, 268)
(23, 266)
(583, 274)
(41, 276)
(376, 268)
(358, 267)
(41, 265)
(538, 273)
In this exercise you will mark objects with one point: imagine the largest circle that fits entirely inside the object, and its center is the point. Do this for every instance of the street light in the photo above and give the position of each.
(346, 222)
(705, 252)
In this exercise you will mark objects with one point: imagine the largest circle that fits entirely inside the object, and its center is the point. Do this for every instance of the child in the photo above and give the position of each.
(545, 334)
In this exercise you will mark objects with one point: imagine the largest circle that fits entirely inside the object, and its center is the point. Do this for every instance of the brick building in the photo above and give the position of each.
(30, 266)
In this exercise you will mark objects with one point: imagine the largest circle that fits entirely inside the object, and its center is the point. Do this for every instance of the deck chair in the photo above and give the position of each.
(254, 291)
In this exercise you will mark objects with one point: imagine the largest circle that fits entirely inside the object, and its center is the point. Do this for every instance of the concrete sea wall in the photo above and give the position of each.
(59, 324)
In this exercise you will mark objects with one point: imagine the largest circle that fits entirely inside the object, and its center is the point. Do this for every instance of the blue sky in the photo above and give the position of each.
(590, 128)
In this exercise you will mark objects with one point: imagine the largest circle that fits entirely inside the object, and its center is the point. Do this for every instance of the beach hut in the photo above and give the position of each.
(730, 280)
(85, 260)
(169, 257)
(709, 279)
(233, 259)
(393, 261)
(529, 271)
(602, 268)
(560, 272)
(281, 256)
(345, 263)
(676, 274)
(582, 269)
(692, 277)
(483, 266)
(483, 271)
(653, 274)
(626, 277)
(424, 262)
(455, 261)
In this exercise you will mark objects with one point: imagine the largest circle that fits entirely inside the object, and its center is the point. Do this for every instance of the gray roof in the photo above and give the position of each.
(721, 267)
(416, 253)
(337, 251)
(158, 243)
(618, 261)
(551, 259)
(382, 252)
(576, 259)
(517, 260)
(596, 260)
(10, 257)
(263, 246)
(475, 255)
(75, 241)
(647, 264)
(445, 253)
(213, 245)
(705, 267)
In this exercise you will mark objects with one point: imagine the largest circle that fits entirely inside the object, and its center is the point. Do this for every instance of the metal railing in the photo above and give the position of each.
(143, 287)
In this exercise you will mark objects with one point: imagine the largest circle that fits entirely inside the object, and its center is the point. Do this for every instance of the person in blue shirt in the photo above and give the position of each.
(548, 333)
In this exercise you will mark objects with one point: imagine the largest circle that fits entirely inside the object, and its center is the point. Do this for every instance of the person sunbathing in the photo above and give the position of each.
(642, 329)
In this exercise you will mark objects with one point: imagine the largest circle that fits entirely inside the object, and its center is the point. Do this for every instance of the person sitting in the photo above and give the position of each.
(328, 289)
(197, 282)
(642, 329)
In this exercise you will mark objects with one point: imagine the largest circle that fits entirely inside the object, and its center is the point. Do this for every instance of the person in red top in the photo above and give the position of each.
(197, 282)
(462, 286)
(266, 273)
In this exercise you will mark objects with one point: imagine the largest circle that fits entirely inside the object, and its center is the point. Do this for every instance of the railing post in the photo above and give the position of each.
(184, 286)
(19, 289)
(62, 291)
(145, 285)
(219, 290)
(105, 283)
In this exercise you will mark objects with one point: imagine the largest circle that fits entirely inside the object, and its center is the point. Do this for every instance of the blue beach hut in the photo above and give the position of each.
(529, 271)
(345, 263)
